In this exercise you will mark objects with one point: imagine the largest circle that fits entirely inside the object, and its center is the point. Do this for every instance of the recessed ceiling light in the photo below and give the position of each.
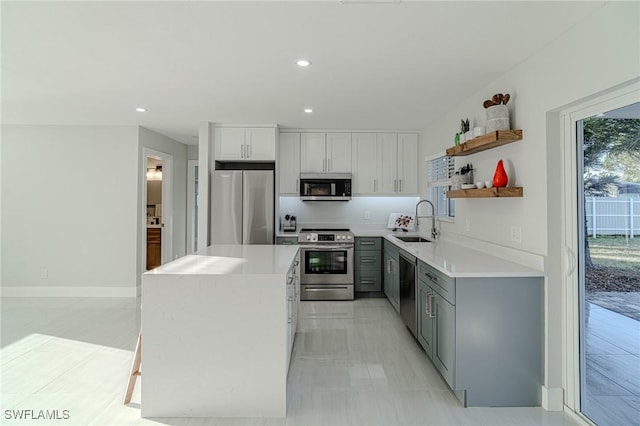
(140, 109)
(308, 110)
(303, 63)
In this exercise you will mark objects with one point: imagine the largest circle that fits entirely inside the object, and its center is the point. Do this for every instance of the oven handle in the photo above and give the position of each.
(322, 248)
(327, 288)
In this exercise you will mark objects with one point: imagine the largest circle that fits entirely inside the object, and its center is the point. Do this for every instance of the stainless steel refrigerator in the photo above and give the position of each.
(242, 209)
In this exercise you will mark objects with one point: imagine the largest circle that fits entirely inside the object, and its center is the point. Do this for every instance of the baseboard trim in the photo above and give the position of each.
(28, 291)
(552, 399)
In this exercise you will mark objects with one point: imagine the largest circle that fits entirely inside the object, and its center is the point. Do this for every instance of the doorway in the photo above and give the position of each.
(601, 282)
(157, 220)
(608, 153)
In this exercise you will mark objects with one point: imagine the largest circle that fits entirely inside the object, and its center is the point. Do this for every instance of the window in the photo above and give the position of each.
(440, 168)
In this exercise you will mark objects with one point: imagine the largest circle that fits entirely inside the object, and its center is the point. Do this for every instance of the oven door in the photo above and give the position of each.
(326, 264)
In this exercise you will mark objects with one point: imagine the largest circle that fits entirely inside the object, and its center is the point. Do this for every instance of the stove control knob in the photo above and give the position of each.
(308, 237)
(348, 237)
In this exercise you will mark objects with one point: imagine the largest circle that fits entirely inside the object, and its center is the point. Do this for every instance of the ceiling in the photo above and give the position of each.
(396, 65)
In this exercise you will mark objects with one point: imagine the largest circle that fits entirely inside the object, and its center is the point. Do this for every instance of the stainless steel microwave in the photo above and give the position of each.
(325, 186)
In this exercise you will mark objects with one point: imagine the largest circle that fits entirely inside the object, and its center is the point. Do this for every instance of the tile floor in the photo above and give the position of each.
(354, 363)
(612, 395)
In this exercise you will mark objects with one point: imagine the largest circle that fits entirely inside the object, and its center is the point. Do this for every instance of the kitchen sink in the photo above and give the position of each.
(413, 239)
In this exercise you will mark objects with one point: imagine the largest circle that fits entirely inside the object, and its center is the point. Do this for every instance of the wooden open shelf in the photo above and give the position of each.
(513, 191)
(488, 141)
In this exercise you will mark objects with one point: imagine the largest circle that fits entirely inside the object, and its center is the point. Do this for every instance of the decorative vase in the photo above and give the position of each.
(500, 178)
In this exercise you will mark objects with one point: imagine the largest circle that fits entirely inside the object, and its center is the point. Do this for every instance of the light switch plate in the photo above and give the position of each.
(516, 234)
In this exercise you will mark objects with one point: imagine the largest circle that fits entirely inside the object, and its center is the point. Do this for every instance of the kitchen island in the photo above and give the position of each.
(217, 332)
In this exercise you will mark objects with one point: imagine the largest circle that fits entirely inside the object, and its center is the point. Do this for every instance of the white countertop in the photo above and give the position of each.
(233, 260)
(459, 261)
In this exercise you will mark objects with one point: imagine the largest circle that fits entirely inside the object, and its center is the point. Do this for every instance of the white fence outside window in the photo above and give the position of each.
(612, 216)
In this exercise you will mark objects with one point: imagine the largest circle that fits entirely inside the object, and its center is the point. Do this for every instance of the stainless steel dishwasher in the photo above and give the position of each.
(408, 306)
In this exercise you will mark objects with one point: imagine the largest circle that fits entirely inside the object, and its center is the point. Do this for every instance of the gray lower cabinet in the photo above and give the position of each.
(391, 272)
(368, 264)
(484, 335)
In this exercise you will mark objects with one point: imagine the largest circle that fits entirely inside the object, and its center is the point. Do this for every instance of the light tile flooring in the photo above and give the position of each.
(612, 395)
(354, 363)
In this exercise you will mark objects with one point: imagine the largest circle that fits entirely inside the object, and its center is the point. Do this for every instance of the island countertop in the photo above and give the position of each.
(232, 259)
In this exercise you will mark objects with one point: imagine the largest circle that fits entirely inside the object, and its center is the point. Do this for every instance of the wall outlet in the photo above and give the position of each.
(516, 234)
(44, 273)
(367, 215)
(467, 225)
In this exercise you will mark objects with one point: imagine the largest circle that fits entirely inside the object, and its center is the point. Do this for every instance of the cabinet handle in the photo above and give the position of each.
(367, 243)
(399, 185)
(297, 185)
(367, 282)
(364, 260)
(395, 185)
(426, 304)
(249, 151)
(431, 277)
(324, 164)
(375, 185)
(431, 296)
(241, 151)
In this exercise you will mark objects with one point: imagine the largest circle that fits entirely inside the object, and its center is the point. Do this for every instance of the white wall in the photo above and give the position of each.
(192, 152)
(68, 200)
(349, 212)
(158, 142)
(601, 52)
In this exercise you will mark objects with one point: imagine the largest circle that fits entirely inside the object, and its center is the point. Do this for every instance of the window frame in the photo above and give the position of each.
(434, 188)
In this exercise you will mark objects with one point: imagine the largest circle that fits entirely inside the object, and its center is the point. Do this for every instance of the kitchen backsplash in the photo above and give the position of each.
(350, 212)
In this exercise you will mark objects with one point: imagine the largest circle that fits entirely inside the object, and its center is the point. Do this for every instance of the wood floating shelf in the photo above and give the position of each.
(488, 141)
(513, 191)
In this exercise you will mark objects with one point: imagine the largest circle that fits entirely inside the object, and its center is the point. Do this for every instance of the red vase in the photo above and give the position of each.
(500, 178)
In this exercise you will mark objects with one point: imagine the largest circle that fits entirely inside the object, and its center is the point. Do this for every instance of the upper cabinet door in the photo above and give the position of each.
(338, 153)
(364, 163)
(312, 153)
(387, 162)
(288, 165)
(229, 142)
(408, 163)
(260, 144)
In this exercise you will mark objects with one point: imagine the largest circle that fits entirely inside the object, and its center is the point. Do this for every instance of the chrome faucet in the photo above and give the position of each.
(434, 231)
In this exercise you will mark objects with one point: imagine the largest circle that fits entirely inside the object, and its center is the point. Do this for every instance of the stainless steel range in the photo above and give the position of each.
(326, 257)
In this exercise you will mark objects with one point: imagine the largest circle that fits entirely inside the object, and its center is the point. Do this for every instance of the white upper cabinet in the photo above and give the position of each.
(388, 162)
(312, 153)
(325, 153)
(385, 163)
(288, 165)
(261, 143)
(338, 153)
(364, 165)
(408, 163)
(245, 144)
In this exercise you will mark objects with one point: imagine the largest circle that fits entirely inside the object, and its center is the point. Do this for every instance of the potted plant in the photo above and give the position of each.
(465, 133)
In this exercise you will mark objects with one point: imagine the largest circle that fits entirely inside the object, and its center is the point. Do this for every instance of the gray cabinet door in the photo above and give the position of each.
(425, 318)
(444, 347)
(395, 283)
(387, 275)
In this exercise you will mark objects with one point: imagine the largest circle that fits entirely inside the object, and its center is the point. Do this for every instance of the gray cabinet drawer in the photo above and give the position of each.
(368, 260)
(368, 281)
(441, 283)
(368, 243)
